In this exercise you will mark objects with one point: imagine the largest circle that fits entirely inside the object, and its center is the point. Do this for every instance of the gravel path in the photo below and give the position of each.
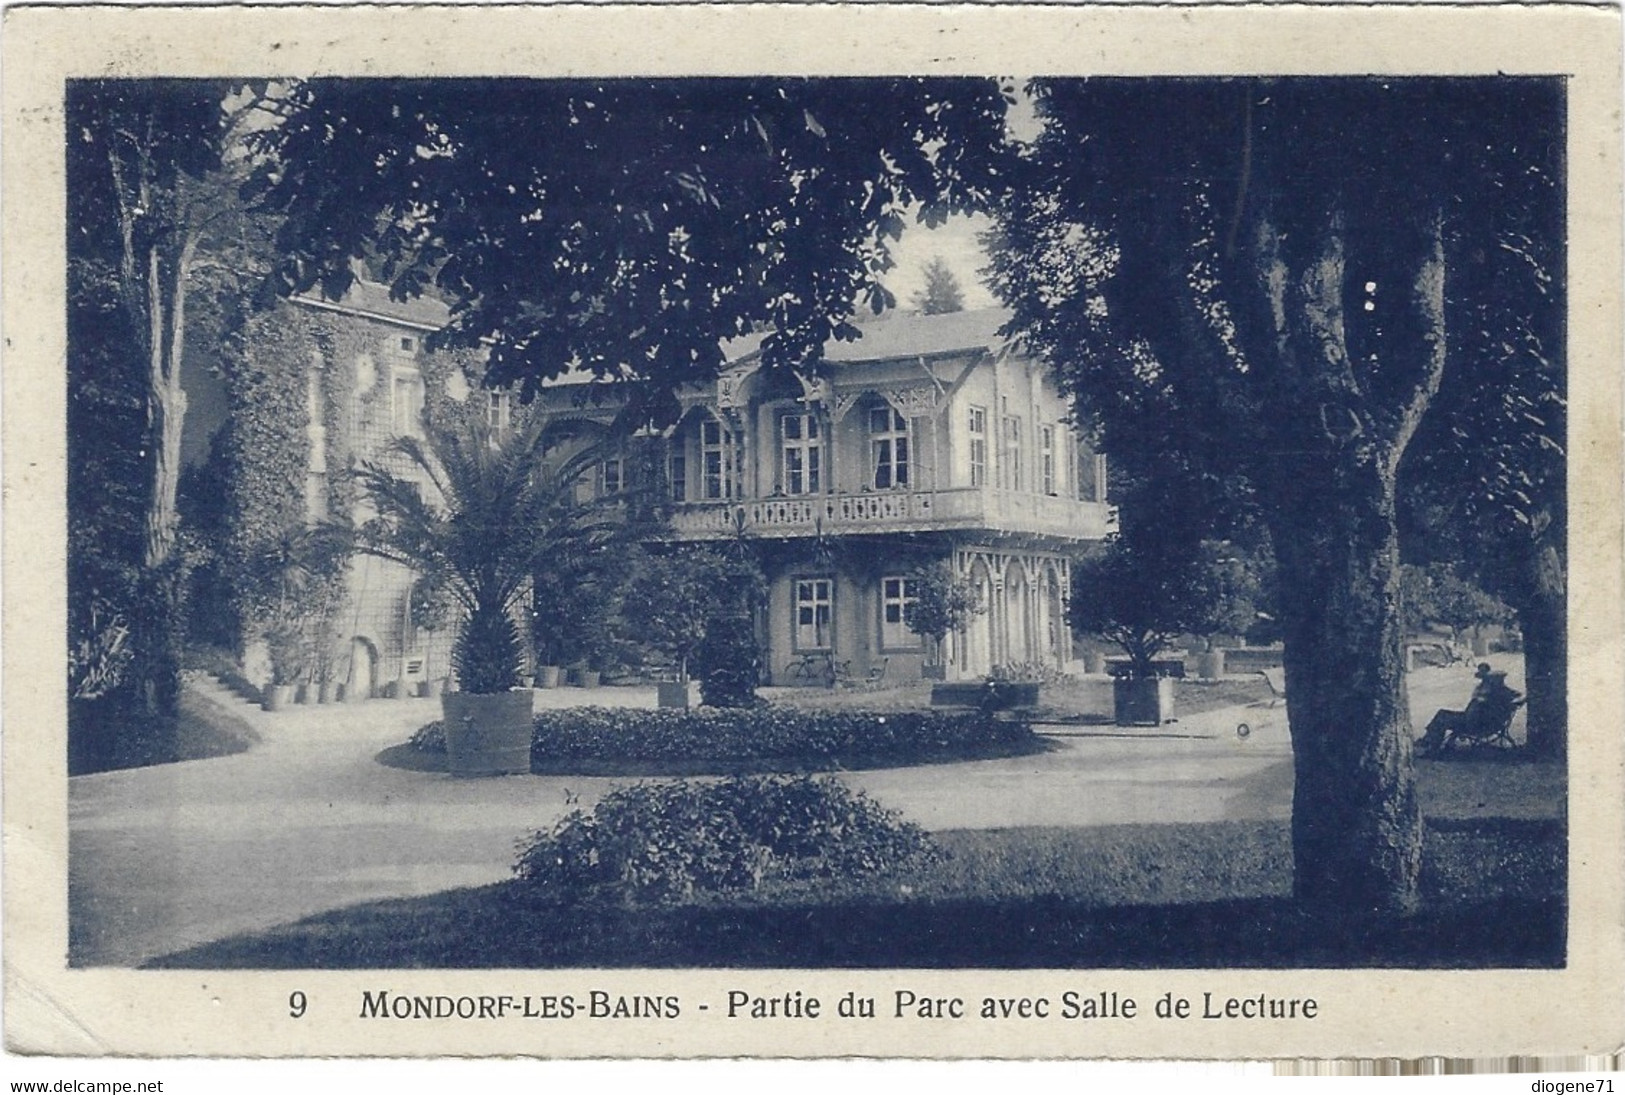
(167, 857)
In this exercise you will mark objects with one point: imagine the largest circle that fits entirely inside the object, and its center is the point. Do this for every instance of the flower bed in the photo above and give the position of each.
(584, 739)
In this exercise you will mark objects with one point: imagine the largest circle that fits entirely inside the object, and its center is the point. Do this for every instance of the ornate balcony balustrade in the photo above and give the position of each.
(895, 511)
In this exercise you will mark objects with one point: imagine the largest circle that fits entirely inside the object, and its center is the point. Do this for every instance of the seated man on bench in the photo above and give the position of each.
(1487, 717)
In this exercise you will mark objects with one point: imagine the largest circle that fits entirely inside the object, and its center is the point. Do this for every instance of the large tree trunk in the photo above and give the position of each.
(1342, 418)
(1543, 618)
(1356, 831)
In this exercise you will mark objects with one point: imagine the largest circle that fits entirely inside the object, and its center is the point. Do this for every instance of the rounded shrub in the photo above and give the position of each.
(729, 662)
(665, 842)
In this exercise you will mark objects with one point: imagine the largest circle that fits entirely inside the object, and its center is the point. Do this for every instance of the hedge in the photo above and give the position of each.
(759, 733)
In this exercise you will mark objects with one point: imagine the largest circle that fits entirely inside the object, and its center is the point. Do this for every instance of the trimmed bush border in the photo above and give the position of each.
(638, 741)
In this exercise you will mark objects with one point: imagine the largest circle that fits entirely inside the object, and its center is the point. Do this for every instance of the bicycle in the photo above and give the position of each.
(808, 669)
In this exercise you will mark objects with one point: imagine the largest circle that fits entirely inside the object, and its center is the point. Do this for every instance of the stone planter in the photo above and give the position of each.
(547, 676)
(1143, 701)
(1094, 662)
(586, 678)
(341, 692)
(324, 692)
(431, 689)
(488, 734)
(304, 693)
(673, 693)
(276, 696)
(1210, 664)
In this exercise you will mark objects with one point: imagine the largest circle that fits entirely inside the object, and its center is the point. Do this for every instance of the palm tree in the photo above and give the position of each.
(500, 505)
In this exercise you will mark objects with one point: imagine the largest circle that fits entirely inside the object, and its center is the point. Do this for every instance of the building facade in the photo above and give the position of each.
(930, 442)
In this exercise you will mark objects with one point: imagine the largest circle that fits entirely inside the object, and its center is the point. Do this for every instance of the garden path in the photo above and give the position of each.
(167, 857)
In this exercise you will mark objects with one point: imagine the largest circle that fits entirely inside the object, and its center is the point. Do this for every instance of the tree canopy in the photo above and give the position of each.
(1256, 274)
(626, 227)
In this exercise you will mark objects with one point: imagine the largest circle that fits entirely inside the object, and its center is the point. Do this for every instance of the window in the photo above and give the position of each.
(802, 453)
(316, 466)
(499, 412)
(896, 594)
(717, 461)
(406, 404)
(610, 479)
(1012, 452)
(1091, 475)
(408, 344)
(812, 613)
(1046, 459)
(677, 470)
(888, 445)
(978, 446)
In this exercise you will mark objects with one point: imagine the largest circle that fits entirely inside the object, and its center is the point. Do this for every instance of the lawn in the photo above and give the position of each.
(1156, 896)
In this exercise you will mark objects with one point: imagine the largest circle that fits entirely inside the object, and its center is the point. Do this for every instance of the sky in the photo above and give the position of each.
(955, 243)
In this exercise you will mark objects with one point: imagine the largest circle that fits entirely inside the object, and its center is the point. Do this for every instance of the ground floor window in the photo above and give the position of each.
(896, 594)
(813, 613)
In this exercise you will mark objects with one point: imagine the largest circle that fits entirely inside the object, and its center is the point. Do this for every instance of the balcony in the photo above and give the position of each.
(968, 508)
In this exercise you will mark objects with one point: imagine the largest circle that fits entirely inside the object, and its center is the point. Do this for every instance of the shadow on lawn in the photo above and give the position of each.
(495, 927)
(1131, 897)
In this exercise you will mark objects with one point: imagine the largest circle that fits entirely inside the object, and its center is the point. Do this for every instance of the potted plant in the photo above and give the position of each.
(1140, 603)
(296, 585)
(479, 512)
(942, 604)
(286, 648)
(677, 593)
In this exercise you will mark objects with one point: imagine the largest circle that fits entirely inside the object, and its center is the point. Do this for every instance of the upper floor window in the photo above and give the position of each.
(896, 594)
(677, 470)
(611, 477)
(718, 461)
(888, 447)
(978, 446)
(408, 343)
(813, 607)
(1012, 452)
(1091, 475)
(406, 404)
(802, 453)
(499, 412)
(1046, 459)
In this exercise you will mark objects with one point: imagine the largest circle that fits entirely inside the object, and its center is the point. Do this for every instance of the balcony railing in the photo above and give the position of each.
(896, 511)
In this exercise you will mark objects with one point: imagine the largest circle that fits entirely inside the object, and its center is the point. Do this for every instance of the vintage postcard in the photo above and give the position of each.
(813, 531)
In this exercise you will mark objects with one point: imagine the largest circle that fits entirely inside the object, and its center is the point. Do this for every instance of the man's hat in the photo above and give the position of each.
(1483, 669)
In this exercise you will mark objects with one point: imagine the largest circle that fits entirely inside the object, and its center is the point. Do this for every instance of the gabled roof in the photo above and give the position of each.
(371, 300)
(901, 335)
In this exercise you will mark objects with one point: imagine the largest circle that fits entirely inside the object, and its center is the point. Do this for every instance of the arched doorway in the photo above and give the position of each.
(978, 647)
(363, 680)
(1018, 615)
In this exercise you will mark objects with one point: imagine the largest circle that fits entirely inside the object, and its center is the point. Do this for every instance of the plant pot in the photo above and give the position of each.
(1143, 701)
(304, 693)
(488, 734)
(1094, 662)
(401, 690)
(431, 689)
(277, 696)
(587, 678)
(1210, 664)
(547, 676)
(341, 692)
(324, 692)
(673, 693)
